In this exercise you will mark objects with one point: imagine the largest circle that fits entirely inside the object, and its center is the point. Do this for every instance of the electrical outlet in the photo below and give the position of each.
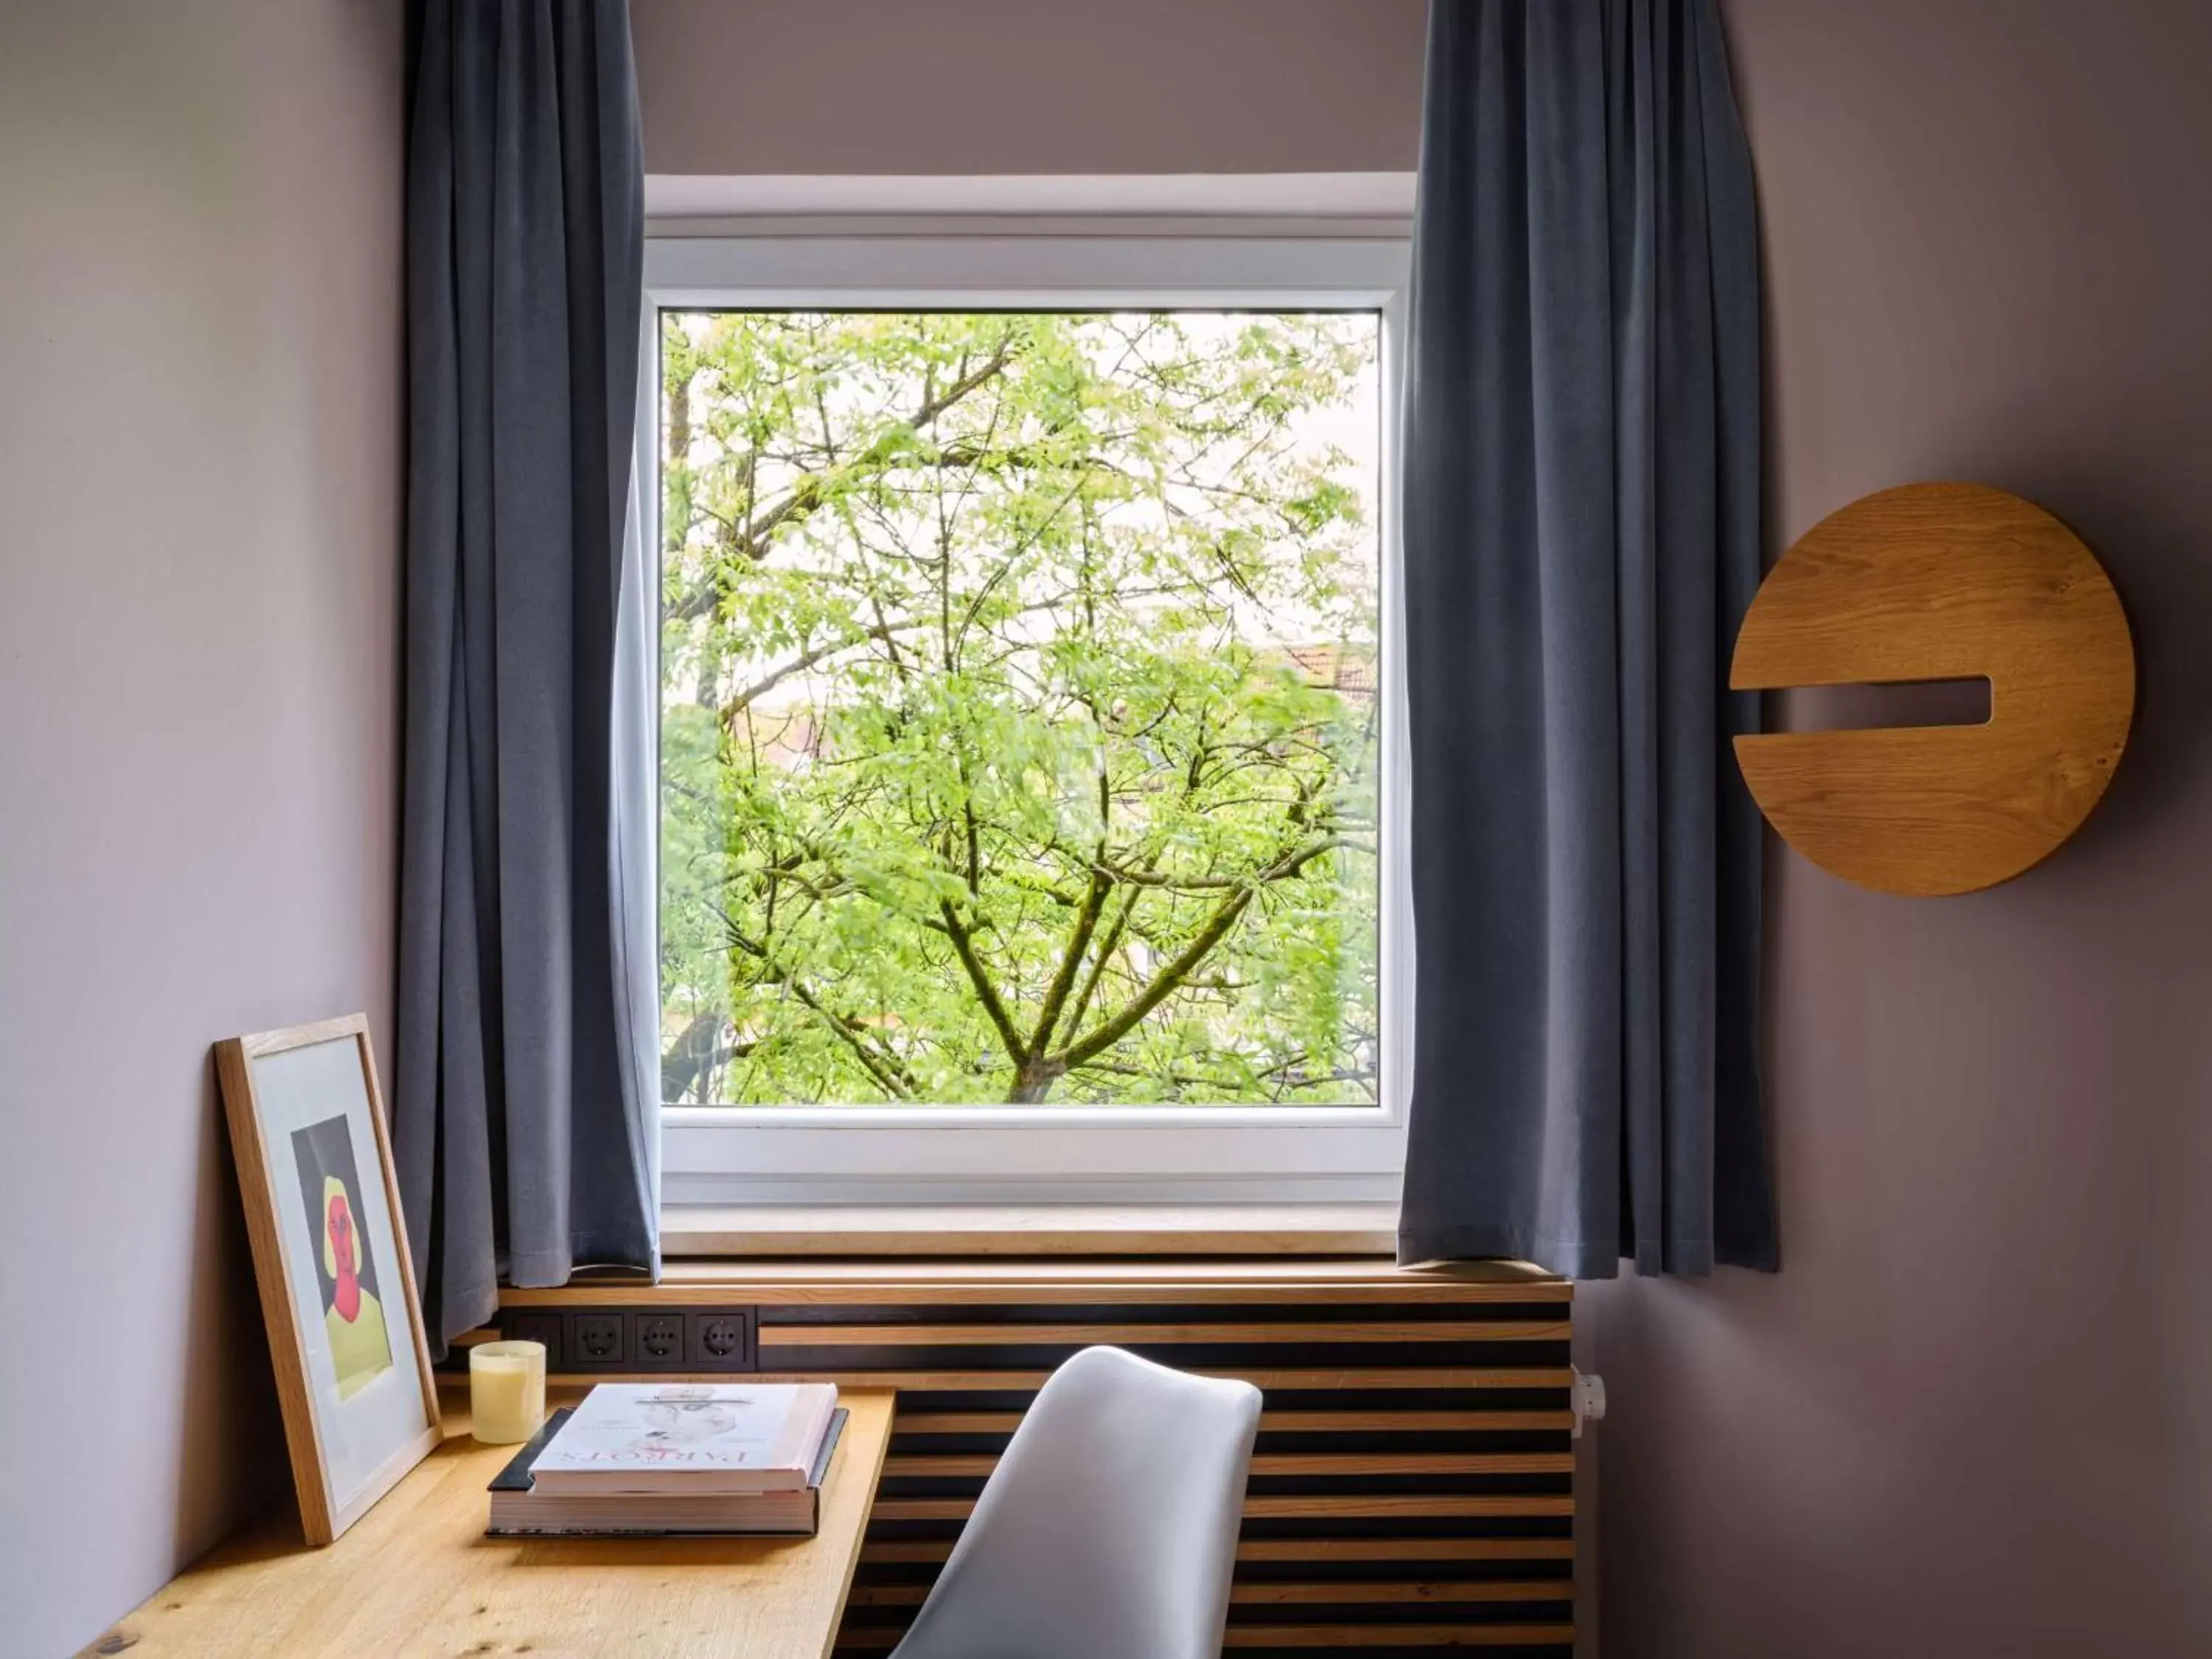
(537, 1327)
(598, 1339)
(661, 1339)
(721, 1341)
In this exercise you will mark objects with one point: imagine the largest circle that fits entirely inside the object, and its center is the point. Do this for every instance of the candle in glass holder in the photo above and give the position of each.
(506, 1391)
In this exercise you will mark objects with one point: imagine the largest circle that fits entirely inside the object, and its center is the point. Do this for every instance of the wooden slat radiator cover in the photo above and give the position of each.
(1411, 1491)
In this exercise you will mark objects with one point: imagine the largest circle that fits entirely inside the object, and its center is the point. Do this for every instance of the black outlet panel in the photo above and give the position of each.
(622, 1341)
(525, 1326)
(721, 1340)
(596, 1339)
(659, 1339)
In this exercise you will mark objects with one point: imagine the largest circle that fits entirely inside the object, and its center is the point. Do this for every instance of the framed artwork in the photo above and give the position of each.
(330, 1253)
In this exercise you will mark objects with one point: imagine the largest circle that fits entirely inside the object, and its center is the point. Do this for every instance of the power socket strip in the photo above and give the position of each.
(621, 1341)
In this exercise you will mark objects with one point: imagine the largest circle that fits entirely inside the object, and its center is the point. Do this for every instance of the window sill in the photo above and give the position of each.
(954, 1229)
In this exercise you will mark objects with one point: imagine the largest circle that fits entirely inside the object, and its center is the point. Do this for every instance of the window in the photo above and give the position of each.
(1026, 717)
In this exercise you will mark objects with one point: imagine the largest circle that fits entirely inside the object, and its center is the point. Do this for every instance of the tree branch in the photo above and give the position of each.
(964, 946)
(895, 1085)
(1282, 869)
(1176, 971)
(884, 1068)
(806, 659)
(887, 632)
(1164, 983)
(1111, 944)
(750, 543)
(1055, 996)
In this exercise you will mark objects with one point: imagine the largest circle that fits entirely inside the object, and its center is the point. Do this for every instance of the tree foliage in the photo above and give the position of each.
(1018, 733)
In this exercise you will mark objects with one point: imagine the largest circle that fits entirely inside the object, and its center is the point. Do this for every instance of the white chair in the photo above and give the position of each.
(1109, 1528)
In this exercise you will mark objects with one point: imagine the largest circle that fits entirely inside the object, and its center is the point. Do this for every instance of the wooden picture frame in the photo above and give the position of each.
(330, 1254)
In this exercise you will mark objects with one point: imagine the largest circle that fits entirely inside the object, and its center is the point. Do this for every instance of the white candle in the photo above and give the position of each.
(506, 1391)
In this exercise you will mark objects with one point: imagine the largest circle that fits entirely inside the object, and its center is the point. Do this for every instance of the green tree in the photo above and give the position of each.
(1018, 728)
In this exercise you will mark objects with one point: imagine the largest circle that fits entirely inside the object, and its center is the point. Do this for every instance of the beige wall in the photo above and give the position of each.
(200, 377)
(1030, 86)
(1973, 1414)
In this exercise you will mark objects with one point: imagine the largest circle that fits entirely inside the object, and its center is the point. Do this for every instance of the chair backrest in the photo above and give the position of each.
(1109, 1528)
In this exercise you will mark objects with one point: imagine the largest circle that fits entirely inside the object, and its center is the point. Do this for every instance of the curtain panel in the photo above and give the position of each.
(1582, 539)
(522, 1113)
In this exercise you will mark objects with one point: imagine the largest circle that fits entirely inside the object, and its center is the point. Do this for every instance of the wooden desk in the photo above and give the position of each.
(417, 1575)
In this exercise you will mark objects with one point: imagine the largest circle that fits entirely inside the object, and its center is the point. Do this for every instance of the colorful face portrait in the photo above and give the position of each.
(353, 1317)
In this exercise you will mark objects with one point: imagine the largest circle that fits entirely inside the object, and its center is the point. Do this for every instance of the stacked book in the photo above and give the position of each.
(661, 1459)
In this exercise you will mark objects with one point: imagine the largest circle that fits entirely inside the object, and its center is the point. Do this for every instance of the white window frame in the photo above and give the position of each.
(1087, 1155)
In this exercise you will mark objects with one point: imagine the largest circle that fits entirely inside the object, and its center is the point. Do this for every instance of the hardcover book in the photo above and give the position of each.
(519, 1511)
(699, 1439)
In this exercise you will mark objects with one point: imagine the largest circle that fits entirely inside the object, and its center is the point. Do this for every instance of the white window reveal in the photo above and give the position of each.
(1031, 735)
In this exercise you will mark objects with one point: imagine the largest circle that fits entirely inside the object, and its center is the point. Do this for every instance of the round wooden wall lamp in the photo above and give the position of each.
(1939, 581)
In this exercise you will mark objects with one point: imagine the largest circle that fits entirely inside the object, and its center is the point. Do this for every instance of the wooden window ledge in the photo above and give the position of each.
(949, 1230)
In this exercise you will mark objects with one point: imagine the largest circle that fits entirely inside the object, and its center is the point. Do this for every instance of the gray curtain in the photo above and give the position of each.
(522, 1133)
(1582, 537)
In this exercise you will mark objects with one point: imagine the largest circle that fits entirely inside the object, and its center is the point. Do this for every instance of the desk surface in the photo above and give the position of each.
(417, 1575)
